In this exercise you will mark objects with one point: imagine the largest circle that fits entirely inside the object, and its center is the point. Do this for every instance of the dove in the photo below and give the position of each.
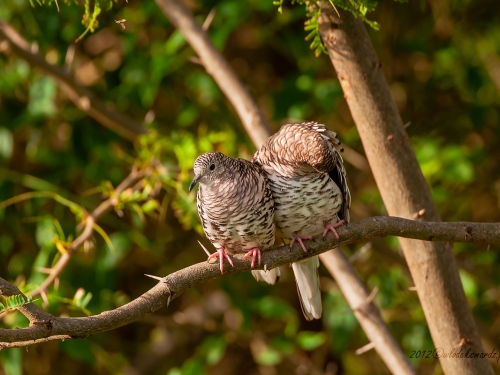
(308, 182)
(236, 209)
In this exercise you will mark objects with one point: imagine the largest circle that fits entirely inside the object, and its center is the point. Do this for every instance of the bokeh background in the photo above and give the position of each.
(441, 59)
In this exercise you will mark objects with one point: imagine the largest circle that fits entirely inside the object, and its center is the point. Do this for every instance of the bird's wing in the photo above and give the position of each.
(300, 148)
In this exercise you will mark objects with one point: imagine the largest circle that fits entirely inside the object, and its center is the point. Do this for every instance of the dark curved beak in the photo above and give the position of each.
(194, 182)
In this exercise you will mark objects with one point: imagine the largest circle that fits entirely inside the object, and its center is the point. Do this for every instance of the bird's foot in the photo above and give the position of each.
(333, 228)
(299, 239)
(221, 254)
(255, 254)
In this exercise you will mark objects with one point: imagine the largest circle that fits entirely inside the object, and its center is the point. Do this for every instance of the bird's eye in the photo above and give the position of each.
(212, 167)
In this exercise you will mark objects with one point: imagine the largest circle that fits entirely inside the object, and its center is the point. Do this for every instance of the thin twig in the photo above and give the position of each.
(365, 348)
(81, 97)
(88, 230)
(208, 20)
(215, 65)
(363, 249)
(366, 312)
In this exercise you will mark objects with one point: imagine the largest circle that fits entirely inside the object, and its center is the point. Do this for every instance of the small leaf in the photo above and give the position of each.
(150, 206)
(60, 246)
(15, 301)
(104, 235)
(311, 34)
(308, 340)
(80, 292)
(45, 232)
(269, 357)
(6, 143)
(85, 300)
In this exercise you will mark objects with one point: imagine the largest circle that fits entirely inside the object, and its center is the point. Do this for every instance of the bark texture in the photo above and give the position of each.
(402, 186)
(45, 327)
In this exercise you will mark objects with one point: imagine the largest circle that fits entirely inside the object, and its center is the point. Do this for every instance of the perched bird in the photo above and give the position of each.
(308, 181)
(236, 209)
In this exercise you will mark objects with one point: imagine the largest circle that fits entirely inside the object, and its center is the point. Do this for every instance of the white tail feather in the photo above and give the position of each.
(270, 276)
(307, 278)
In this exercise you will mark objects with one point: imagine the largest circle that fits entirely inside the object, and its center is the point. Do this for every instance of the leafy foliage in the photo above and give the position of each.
(440, 65)
(13, 302)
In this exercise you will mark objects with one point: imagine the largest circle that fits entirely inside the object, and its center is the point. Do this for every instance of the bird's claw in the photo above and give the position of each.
(255, 254)
(221, 254)
(333, 228)
(299, 239)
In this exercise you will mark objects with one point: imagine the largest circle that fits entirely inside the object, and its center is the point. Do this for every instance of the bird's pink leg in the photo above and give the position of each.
(254, 253)
(333, 228)
(221, 254)
(299, 239)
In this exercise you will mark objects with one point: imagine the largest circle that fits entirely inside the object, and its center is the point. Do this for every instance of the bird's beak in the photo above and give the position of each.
(194, 182)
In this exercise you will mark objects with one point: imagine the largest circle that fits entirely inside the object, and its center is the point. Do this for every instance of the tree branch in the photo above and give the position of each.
(88, 230)
(367, 313)
(81, 97)
(45, 327)
(402, 185)
(222, 74)
(216, 65)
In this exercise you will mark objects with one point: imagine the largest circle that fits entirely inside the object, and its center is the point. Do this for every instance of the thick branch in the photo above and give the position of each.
(402, 185)
(46, 327)
(215, 64)
(83, 98)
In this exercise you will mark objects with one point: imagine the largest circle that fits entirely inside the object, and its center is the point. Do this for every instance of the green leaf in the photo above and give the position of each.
(469, 284)
(175, 42)
(193, 366)
(284, 344)
(6, 143)
(272, 307)
(81, 299)
(16, 301)
(308, 340)
(41, 97)
(104, 235)
(121, 243)
(150, 206)
(214, 348)
(85, 300)
(268, 357)
(45, 232)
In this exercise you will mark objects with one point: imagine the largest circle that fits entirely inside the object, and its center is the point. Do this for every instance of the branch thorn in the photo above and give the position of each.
(204, 248)
(154, 277)
(365, 348)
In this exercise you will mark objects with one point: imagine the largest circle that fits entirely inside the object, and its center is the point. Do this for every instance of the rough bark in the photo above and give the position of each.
(402, 186)
(44, 326)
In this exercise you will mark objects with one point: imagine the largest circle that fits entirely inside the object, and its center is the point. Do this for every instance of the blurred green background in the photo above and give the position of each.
(442, 62)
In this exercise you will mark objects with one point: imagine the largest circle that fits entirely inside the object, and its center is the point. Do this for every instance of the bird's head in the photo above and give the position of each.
(208, 167)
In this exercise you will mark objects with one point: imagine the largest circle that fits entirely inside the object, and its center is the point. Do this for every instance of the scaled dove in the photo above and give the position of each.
(236, 209)
(308, 181)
